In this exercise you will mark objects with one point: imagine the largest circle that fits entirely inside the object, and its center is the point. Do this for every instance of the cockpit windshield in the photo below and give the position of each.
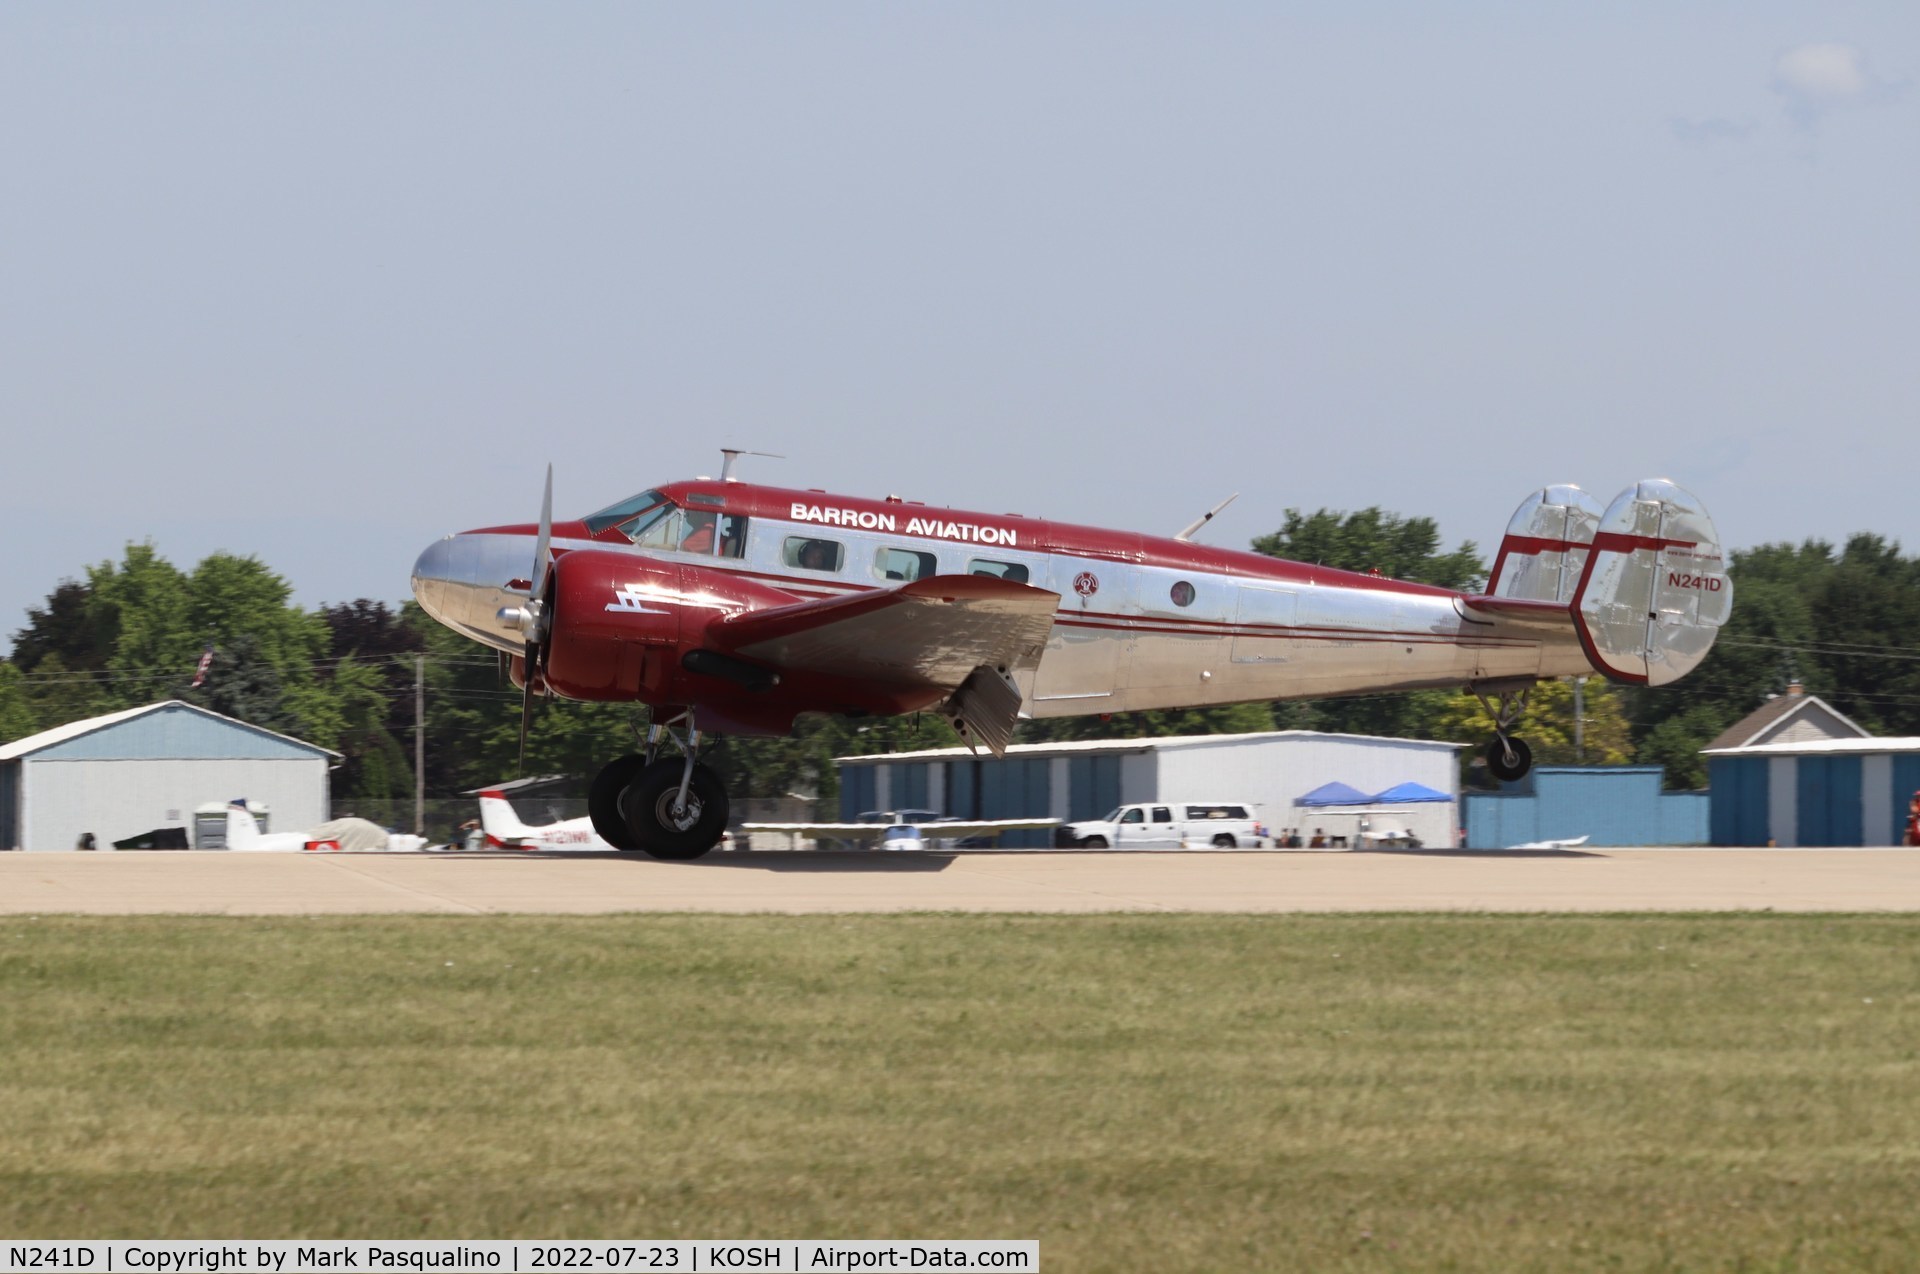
(627, 508)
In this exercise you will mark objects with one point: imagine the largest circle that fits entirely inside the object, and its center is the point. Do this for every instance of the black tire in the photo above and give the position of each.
(1094, 842)
(1224, 841)
(650, 818)
(603, 801)
(1501, 768)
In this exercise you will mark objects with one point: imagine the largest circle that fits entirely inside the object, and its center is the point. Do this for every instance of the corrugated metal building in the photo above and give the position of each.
(1085, 779)
(1609, 805)
(1825, 792)
(129, 772)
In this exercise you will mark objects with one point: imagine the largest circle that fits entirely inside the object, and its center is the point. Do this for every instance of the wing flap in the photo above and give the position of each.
(930, 632)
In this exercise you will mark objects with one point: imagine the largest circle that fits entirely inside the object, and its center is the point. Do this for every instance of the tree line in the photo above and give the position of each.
(1841, 621)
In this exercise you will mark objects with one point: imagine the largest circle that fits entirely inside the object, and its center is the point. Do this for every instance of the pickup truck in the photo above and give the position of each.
(1170, 825)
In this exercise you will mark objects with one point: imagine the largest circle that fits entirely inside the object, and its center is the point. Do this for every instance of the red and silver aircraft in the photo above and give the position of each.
(732, 607)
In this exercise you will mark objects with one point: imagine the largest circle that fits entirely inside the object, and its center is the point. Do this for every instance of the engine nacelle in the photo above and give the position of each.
(614, 627)
(621, 624)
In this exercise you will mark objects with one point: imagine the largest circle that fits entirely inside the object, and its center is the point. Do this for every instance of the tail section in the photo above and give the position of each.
(498, 820)
(1654, 591)
(242, 831)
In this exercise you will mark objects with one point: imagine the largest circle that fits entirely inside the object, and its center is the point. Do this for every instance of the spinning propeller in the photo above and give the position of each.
(534, 620)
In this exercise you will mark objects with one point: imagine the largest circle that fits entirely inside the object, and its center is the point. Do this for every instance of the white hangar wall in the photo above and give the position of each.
(126, 773)
(1273, 770)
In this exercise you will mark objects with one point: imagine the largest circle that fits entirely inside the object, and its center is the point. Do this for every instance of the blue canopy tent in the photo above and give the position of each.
(1334, 794)
(1408, 794)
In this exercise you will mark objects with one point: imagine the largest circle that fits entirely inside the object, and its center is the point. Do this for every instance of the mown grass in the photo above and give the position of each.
(1172, 1093)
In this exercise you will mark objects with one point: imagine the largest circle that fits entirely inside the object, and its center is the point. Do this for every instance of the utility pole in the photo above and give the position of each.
(1579, 720)
(419, 745)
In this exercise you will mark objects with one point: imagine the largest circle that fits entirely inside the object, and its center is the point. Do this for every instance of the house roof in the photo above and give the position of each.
(1774, 714)
(75, 729)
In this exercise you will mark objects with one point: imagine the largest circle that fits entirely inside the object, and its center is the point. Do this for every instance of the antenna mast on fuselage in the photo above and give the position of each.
(732, 456)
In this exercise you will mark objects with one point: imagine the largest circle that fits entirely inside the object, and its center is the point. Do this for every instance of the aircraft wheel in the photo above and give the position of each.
(1224, 841)
(654, 825)
(603, 801)
(1094, 842)
(1506, 769)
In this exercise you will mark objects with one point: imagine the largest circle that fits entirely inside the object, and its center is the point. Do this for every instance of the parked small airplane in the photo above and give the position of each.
(244, 835)
(504, 830)
(733, 607)
(903, 829)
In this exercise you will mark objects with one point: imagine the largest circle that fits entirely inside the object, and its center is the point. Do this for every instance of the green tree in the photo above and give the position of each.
(1372, 539)
(17, 717)
(59, 696)
(69, 626)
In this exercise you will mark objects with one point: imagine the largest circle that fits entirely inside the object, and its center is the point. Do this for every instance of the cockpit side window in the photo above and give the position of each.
(659, 528)
(614, 514)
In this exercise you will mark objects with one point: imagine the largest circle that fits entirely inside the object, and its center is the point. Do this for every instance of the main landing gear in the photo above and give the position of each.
(1508, 758)
(673, 808)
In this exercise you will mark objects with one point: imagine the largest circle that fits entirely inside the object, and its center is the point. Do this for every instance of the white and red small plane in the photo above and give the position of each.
(244, 835)
(504, 830)
(733, 607)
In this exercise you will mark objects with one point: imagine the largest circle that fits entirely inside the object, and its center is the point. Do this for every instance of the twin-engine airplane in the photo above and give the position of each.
(733, 607)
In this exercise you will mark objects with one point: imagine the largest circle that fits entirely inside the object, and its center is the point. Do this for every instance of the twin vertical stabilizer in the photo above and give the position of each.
(1645, 579)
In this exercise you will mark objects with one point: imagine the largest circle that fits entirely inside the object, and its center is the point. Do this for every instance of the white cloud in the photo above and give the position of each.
(1822, 72)
(1817, 78)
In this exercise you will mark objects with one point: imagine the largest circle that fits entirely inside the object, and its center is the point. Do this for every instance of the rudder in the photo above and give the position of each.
(1654, 590)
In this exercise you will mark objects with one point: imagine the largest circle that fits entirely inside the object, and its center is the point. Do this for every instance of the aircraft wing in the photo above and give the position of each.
(930, 632)
(818, 831)
(988, 827)
(940, 830)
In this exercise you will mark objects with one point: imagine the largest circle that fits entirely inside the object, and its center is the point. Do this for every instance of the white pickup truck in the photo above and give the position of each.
(1171, 825)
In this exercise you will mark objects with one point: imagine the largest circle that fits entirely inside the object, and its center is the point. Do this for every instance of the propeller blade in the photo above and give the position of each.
(526, 718)
(535, 645)
(540, 562)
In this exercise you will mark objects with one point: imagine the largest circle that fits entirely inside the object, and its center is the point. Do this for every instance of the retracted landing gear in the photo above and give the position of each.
(673, 808)
(1508, 757)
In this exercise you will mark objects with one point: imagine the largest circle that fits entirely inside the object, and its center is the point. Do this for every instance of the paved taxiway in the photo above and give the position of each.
(1509, 880)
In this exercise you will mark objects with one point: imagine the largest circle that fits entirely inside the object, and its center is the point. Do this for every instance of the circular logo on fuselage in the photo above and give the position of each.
(1086, 583)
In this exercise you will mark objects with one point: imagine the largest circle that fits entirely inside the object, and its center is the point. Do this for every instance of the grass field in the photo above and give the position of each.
(1168, 1093)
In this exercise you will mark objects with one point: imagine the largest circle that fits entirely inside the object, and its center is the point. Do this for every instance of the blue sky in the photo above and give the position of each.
(322, 282)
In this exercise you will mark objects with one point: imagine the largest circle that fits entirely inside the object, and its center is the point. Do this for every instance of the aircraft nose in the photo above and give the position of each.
(464, 580)
(434, 580)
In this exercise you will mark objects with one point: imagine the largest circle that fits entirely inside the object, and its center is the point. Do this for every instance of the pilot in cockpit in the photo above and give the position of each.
(698, 537)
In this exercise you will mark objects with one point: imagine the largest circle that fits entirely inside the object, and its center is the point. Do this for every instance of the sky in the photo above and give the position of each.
(322, 282)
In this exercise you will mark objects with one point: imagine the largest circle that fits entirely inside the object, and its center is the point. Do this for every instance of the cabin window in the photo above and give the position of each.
(808, 553)
(614, 514)
(1182, 594)
(999, 570)
(903, 564)
(1133, 816)
(1161, 814)
(733, 536)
